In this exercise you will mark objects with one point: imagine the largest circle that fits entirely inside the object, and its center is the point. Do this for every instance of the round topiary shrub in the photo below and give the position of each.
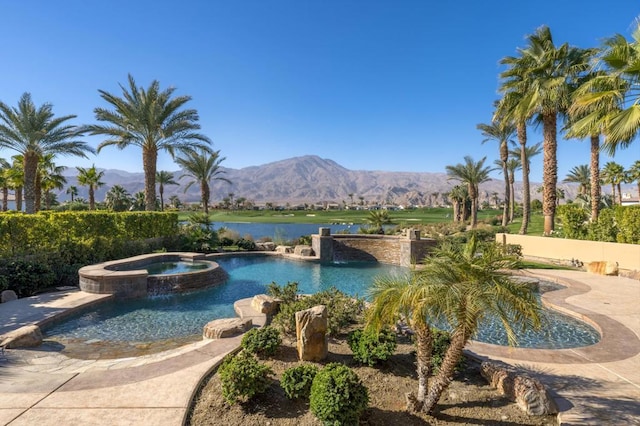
(296, 381)
(369, 347)
(262, 341)
(338, 397)
(242, 377)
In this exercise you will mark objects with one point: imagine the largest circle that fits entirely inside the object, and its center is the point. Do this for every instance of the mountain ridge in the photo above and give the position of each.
(308, 179)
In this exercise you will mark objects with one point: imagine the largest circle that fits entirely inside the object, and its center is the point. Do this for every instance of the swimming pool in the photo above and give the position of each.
(182, 316)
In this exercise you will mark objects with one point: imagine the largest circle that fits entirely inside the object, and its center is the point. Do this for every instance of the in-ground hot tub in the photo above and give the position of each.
(130, 277)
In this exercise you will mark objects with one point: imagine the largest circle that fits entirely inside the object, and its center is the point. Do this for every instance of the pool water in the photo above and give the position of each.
(177, 316)
(163, 268)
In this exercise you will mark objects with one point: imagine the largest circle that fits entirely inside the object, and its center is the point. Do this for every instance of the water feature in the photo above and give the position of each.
(284, 231)
(179, 315)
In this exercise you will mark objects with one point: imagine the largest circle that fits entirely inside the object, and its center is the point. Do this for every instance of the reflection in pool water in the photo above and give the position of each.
(180, 315)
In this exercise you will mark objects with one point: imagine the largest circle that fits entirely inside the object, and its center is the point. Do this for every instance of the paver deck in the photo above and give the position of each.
(598, 385)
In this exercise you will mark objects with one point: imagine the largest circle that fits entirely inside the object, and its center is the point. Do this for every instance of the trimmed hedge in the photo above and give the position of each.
(619, 224)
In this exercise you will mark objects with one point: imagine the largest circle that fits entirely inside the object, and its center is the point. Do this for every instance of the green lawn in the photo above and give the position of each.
(404, 217)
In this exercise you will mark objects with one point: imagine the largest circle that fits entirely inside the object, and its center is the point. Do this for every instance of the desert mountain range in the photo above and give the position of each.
(309, 179)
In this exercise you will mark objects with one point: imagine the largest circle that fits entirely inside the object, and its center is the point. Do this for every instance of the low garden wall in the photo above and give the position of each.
(626, 255)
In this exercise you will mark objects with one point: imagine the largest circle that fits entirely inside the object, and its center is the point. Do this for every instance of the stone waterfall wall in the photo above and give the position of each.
(396, 250)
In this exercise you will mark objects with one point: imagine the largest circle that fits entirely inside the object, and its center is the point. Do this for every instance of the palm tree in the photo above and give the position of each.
(138, 201)
(618, 84)
(461, 289)
(513, 165)
(613, 173)
(33, 132)
(16, 179)
(164, 178)
(175, 202)
(117, 199)
(543, 78)
(377, 219)
(501, 132)
(633, 175)
(90, 177)
(203, 166)
(73, 192)
(580, 175)
(152, 120)
(4, 182)
(472, 174)
(459, 195)
(49, 178)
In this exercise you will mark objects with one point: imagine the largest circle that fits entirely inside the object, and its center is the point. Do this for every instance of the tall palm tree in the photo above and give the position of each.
(472, 174)
(513, 165)
(34, 131)
(73, 192)
(502, 132)
(117, 199)
(152, 120)
(582, 176)
(460, 288)
(203, 166)
(633, 175)
(90, 177)
(614, 174)
(164, 178)
(619, 58)
(548, 76)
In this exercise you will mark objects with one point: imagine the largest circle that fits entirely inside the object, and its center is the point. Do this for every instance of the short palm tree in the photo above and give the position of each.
(614, 174)
(4, 182)
(377, 219)
(16, 179)
(203, 166)
(164, 178)
(501, 132)
(33, 132)
(582, 176)
(472, 174)
(460, 288)
(73, 192)
(152, 120)
(90, 177)
(633, 175)
(117, 199)
(138, 201)
(49, 178)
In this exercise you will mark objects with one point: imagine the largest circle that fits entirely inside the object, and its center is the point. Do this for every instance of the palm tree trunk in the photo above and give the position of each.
(595, 177)
(18, 195)
(526, 192)
(5, 198)
(512, 195)
(30, 170)
(204, 194)
(456, 211)
(92, 198)
(550, 171)
(38, 192)
(445, 374)
(161, 189)
(613, 193)
(149, 160)
(504, 156)
(619, 193)
(424, 346)
(473, 193)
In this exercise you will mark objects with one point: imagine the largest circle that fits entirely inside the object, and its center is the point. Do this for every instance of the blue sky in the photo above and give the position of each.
(372, 85)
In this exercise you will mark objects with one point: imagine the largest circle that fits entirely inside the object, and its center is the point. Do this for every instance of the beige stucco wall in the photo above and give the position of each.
(627, 255)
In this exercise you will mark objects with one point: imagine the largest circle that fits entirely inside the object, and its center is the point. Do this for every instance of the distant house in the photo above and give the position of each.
(629, 200)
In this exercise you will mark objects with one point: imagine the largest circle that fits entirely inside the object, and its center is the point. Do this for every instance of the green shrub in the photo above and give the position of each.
(246, 244)
(242, 377)
(338, 397)
(287, 293)
(262, 341)
(441, 342)
(342, 310)
(369, 347)
(296, 381)
(573, 219)
(27, 276)
(605, 228)
(629, 225)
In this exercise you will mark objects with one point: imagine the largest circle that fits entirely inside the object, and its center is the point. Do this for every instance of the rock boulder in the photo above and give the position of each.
(311, 333)
(225, 327)
(28, 336)
(265, 304)
(8, 296)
